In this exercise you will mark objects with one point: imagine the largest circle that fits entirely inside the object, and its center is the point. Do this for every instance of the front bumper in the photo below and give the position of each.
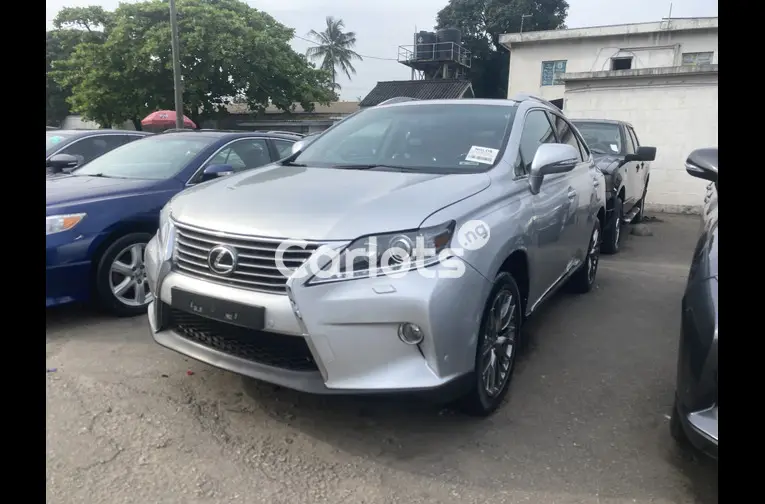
(68, 267)
(350, 329)
(701, 428)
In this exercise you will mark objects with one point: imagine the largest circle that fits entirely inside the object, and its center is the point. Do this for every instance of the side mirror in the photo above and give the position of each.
(550, 159)
(297, 146)
(62, 162)
(643, 153)
(217, 170)
(702, 163)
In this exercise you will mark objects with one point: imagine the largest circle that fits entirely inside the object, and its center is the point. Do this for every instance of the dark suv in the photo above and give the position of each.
(627, 166)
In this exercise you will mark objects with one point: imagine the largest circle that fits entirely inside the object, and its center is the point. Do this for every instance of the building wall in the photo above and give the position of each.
(593, 54)
(675, 114)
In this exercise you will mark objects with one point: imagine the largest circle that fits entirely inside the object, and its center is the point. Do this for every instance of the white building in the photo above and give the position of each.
(661, 77)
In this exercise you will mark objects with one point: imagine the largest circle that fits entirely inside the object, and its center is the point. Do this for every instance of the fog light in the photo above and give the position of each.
(410, 334)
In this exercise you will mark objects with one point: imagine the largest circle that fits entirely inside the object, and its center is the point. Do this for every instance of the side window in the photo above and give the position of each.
(88, 149)
(537, 130)
(114, 141)
(634, 138)
(566, 134)
(629, 143)
(243, 154)
(284, 147)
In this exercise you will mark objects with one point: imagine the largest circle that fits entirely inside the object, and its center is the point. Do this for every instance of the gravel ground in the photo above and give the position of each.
(585, 421)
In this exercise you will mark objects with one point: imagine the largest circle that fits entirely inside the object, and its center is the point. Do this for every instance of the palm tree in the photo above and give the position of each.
(335, 49)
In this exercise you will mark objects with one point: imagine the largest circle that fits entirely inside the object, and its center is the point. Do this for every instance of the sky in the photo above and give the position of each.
(383, 25)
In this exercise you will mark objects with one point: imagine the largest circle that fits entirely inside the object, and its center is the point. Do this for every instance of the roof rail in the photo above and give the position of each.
(526, 96)
(397, 99)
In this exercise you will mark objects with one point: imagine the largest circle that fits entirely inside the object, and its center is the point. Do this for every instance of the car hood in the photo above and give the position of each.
(321, 203)
(607, 163)
(69, 189)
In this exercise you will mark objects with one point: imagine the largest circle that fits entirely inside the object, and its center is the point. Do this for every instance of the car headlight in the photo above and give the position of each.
(390, 254)
(166, 233)
(59, 223)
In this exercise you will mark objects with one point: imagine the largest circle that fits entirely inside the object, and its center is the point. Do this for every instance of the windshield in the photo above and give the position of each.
(53, 139)
(456, 137)
(154, 158)
(601, 138)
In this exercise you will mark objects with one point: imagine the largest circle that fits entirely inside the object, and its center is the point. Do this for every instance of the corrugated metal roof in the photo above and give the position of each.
(419, 89)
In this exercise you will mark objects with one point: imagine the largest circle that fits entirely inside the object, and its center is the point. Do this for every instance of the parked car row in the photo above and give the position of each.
(337, 264)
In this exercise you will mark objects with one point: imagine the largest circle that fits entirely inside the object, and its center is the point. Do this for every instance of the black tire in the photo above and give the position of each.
(104, 297)
(582, 281)
(638, 218)
(676, 428)
(478, 401)
(612, 234)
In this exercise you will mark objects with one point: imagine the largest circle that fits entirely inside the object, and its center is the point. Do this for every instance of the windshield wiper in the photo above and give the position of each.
(368, 167)
(598, 151)
(292, 163)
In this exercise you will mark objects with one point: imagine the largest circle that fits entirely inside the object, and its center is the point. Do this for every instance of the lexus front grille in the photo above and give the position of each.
(256, 258)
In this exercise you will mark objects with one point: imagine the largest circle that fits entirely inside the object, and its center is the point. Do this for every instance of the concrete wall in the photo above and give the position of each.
(676, 114)
(590, 52)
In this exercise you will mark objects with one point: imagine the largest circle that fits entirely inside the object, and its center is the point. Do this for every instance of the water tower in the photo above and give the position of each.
(436, 55)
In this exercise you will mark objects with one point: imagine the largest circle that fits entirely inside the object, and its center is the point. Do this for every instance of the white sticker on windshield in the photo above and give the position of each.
(614, 147)
(483, 155)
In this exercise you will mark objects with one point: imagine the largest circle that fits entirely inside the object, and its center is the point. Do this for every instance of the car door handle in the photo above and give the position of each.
(596, 183)
(571, 195)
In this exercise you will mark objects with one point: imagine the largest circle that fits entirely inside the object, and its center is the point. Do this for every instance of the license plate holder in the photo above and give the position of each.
(250, 317)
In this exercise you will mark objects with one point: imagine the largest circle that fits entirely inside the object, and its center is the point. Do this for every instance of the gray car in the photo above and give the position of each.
(401, 251)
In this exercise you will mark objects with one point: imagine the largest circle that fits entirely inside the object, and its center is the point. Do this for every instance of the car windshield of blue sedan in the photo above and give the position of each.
(425, 137)
(154, 158)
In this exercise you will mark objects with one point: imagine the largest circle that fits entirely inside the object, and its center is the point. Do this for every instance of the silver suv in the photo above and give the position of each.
(401, 251)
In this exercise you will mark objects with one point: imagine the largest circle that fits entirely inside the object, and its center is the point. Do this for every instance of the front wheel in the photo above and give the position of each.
(121, 284)
(498, 343)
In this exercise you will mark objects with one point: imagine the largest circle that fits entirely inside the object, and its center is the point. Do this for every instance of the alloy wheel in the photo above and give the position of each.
(593, 256)
(499, 343)
(127, 277)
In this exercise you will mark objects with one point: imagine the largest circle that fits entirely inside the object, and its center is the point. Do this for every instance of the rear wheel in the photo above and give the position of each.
(612, 234)
(498, 343)
(641, 213)
(582, 281)
(121, 285)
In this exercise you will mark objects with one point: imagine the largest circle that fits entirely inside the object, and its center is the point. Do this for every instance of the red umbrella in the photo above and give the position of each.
(165, 119)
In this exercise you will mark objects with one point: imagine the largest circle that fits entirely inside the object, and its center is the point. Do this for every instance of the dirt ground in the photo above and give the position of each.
(586, 419)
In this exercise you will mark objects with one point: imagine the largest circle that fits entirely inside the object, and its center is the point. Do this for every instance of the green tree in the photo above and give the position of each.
(334, 49)
(483, 21)
(72, 27)
(229, 52)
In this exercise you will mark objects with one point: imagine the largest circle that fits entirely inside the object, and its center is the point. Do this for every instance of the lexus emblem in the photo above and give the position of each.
(222, 259)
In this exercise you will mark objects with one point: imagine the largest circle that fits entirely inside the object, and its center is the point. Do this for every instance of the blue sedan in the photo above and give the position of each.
(101, 216)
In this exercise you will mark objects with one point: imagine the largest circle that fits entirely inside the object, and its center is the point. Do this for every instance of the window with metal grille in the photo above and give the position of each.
(552, 71)
(697, 58)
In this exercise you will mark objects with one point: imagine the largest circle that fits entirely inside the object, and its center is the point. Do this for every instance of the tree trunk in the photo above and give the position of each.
(137, 124)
